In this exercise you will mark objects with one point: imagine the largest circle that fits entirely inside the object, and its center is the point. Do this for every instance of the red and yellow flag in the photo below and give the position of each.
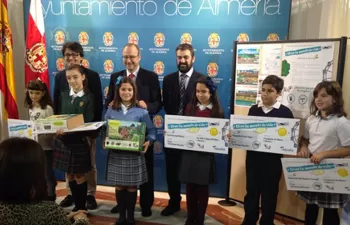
(8, 107)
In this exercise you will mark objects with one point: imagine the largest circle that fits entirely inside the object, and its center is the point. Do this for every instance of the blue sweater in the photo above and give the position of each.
(281, 112)
(135, 114)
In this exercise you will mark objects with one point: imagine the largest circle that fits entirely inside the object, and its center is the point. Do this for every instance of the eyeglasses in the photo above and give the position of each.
(74, 55)
(131, 57)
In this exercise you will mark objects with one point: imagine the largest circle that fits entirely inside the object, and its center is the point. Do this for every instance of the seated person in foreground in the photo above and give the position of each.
(23, 188)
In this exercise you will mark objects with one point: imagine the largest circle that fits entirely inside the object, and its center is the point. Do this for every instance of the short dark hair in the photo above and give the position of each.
(133, 45)
(22, 171)
(332, 88)
(185, 46)
(275, 81)
(74, 46)
(37, 85)
(117, 101)
(81, 70)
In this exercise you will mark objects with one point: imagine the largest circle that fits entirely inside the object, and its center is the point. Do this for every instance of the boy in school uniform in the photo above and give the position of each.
(264, 170)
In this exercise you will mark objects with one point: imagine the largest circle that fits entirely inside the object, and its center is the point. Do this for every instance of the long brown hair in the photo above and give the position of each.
(117, 101)
(332, 88)
(80, 69)
(216, 111)
(37, 85)
(22, 171)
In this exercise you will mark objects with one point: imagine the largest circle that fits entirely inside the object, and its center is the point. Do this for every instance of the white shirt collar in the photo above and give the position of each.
(277, 105)
(202, 107)
(189, 73)
(79, 94)
(135, 73)
(124, 108)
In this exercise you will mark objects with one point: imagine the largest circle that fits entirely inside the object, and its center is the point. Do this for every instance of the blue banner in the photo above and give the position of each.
(103, 27)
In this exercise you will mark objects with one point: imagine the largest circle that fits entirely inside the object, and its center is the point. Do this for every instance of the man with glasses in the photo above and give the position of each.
(149, 98)
(73, 54)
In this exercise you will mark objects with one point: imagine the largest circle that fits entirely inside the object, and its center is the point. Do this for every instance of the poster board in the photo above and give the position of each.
(268, 58)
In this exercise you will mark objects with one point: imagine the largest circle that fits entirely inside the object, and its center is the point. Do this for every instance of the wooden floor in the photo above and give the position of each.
(215, 214)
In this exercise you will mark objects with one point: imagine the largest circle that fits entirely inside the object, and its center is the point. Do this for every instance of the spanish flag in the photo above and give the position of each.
(8, 106)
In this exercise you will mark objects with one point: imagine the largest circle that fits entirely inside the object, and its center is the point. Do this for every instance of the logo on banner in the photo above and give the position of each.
(158, 68)
(158, 121)
(60, 64)
(36, 58)
(60, 37)
(83, 38)
(186, 38)
(85, 63)
(108, 66)
(212, 69)
(159, 40)
(133, 38)
(108, 39)
(214, 40)
(273, 37)
(243, 37)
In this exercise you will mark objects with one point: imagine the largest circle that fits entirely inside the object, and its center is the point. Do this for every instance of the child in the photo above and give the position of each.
(72, 150)
(128, 169)
(197, 169)
(326, 135)
(264, 170)
(38, 101)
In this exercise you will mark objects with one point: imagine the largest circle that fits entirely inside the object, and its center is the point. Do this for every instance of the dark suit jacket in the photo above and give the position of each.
(148, 89)
(171, 91)
(94, 85)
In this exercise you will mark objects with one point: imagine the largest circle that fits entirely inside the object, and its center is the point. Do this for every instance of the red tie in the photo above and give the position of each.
(131, 76)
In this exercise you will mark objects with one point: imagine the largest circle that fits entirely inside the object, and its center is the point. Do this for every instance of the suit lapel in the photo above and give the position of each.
(138, 78)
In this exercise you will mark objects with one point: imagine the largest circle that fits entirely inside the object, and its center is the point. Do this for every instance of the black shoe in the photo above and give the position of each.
(91, 202)
(51, 198)
(169, 210)
(75, 209)
(146, 212)
(115, 209)
(67, 201)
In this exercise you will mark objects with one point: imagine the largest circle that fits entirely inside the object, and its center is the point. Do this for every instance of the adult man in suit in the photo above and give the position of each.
(73, 54)
(178, 89)
(149, 98)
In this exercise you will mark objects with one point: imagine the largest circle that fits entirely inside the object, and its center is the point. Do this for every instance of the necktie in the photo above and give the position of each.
(132, 76)
(183, 78)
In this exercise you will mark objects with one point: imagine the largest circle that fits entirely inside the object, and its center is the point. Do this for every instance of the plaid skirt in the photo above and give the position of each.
(72, 154)
(324, 200)
(126, 169)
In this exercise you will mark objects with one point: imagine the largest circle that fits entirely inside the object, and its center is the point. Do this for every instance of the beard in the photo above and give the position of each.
(184, 67)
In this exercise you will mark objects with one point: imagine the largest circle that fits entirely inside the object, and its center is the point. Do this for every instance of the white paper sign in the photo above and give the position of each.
(21, 128)
(84, 127)
(330, 176)
(265, 134)
(196, 134)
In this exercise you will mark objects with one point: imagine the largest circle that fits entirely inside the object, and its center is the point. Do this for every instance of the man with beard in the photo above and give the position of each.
(178, 89)
(73, 54)
(149, 98)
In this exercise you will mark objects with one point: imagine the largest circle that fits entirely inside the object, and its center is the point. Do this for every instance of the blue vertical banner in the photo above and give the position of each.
(103, 27)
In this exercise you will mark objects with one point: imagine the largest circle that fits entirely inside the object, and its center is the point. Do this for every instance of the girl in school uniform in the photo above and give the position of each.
(38, 102)
(197, 169)
(326, 135)
(127, 170)
(71, 150)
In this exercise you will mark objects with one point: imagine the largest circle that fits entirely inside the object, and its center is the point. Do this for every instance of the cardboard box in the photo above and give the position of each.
(56, 122)
(125, 135)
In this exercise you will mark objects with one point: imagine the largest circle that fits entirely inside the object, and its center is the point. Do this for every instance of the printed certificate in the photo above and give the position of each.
(330, 176)
(196, 133)
(265, 134)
